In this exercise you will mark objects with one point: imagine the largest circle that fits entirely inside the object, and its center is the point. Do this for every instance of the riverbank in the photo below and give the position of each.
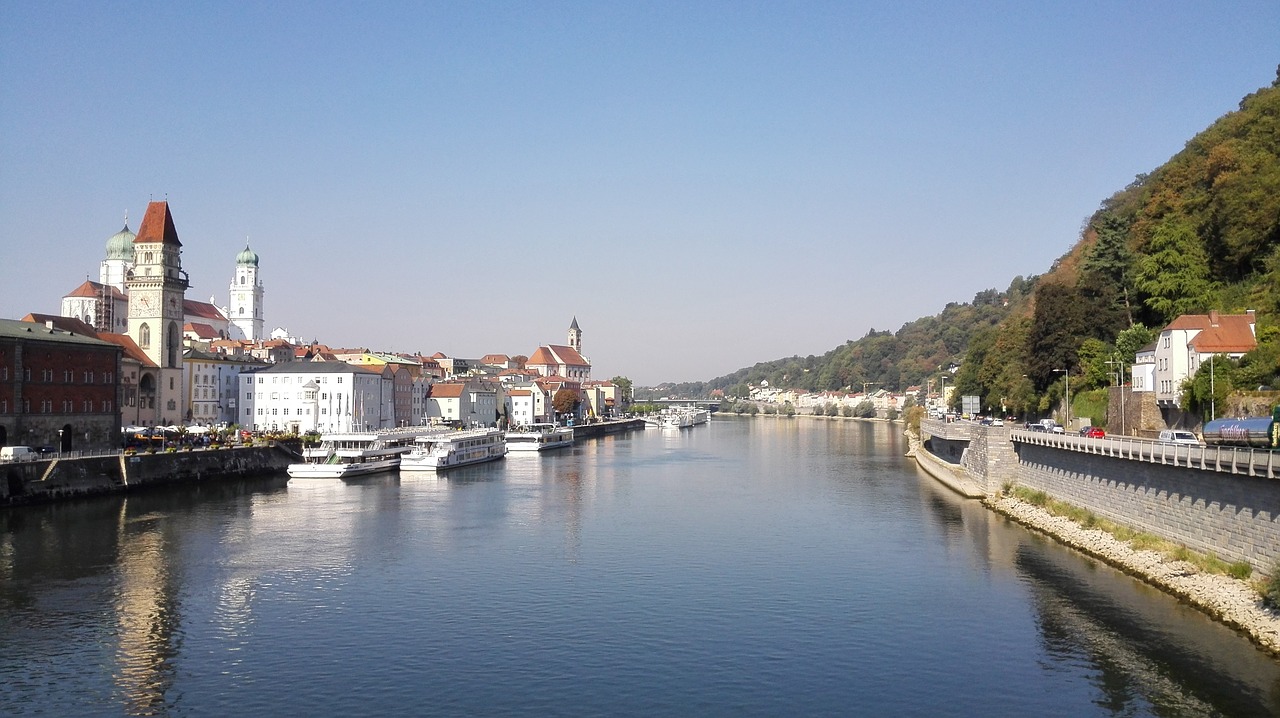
(1231, 601)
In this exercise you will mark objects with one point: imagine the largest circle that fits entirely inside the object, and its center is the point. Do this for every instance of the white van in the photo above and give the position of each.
(1177, 436)
(13, 454)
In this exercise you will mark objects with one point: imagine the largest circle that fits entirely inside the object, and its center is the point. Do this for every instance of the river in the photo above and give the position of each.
(749, 567)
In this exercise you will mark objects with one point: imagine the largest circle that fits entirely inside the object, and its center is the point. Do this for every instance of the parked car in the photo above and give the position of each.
(14, 454)
(1178, 436)
(1037, 427)
(1094, 432)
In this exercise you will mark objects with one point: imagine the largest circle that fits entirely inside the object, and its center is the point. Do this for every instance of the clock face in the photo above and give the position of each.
(144, 301)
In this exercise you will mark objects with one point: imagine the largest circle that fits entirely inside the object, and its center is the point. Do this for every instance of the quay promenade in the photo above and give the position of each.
(89, 474)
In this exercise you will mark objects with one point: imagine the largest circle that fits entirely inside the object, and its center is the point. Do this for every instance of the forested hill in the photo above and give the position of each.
(1200, 232)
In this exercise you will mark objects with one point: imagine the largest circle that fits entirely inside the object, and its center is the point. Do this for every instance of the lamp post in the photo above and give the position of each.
(1066, 379)
(1213, 409)
(943, 392)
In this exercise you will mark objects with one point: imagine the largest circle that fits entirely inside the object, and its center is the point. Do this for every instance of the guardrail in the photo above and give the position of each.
(59, 455)
(1246, 461)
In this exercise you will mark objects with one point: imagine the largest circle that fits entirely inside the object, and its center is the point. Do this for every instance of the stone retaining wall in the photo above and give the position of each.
(1234, 517)
(40, 481)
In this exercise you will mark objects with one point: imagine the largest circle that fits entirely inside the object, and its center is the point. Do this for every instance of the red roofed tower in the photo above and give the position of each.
(157, 288)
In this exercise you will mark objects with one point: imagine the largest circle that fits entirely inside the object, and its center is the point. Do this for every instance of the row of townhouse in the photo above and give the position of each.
(884, 401)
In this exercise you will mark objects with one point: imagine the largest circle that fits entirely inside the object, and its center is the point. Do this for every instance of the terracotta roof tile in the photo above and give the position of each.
(157, 226)
(131, 348)
(447, 391)
(204, 310)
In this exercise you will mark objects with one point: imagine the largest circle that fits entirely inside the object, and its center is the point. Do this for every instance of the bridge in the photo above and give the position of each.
(712, 405)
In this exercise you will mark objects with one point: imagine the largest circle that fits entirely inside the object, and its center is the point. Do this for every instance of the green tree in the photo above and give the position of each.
(1058, 326)
(1130, 341)
(1107, 266)
(1095, 371)
(1174, 275)
(1205, 392)
(865, 409)
(624, 389)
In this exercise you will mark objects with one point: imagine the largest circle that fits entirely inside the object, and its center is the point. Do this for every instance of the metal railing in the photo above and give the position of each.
(1240, 460)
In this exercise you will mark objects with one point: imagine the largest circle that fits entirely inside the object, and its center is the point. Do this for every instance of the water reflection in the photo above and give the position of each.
(750, 566)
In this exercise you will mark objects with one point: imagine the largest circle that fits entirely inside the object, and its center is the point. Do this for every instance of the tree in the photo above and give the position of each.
(1130, 341)
(565, 401)
(1107, 267)
(1205, 392)
(624, 389)
(865, 409)
(1174, 275)
(1095, 371)
(1057, 328)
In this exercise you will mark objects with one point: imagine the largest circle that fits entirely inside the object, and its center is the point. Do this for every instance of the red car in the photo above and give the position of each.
(1094, 432)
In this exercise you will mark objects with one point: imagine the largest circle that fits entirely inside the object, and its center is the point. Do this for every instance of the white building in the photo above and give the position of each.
(213, 385)
(302, 396)
(470, 403)
(1191, 339)
(1143, 370)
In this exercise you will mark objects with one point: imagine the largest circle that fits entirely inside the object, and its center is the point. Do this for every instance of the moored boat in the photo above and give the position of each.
(342, 455)
(539, 437)
(447, 449)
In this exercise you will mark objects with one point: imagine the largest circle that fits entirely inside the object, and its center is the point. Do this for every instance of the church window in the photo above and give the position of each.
(144, 336)
(242, 279)
(242, 311)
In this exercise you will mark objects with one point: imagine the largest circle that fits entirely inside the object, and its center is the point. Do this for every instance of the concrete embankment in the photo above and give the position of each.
(43, 481)
(1229, 600)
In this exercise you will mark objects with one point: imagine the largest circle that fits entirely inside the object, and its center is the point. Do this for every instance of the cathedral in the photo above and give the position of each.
(141, 293)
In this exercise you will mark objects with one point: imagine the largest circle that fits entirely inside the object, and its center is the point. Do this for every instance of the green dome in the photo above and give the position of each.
(120, 245)
(247, 257)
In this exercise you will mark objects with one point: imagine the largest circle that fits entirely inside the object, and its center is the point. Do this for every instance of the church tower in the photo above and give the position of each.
(157, 288)
(245, 311)
(575, 336)
(115, 267)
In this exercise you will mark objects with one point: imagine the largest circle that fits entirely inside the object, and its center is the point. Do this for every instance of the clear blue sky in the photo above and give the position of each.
(704, 185)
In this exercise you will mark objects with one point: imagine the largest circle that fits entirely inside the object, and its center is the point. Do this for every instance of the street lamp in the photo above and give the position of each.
(1066, 378)
(943, 392)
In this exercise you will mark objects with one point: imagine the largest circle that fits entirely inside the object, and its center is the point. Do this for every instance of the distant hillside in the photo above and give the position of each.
(1200, 232)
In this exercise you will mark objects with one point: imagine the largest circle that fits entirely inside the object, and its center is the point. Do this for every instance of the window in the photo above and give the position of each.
(249, 412)
(286, 411)
(144, 335)
(261, 411)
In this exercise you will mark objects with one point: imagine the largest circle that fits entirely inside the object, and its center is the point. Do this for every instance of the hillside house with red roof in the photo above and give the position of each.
(1191, 339)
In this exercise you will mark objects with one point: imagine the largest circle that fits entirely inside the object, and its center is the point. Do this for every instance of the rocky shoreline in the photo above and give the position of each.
(1229, 600)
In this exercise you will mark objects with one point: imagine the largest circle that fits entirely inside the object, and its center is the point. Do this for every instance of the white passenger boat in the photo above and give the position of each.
(447, 449)
(539, 437)
(681, 417)
(344, 454)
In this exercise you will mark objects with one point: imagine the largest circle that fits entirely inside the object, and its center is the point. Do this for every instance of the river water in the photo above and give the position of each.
(748, 567)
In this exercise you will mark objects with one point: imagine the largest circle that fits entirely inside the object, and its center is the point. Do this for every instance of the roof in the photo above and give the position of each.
(93, 290)
(316, 367)
(30, 331)
(575, 323)
(131, 348)
(66, 324)
(206, 310)
(1218, 333)
(569, 355)
(447, 391)
(1225, 339)
(495, 359)
(519, 392)
(202, 331)
(157, 226)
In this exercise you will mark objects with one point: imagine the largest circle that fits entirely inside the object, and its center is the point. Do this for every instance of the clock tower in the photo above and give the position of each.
(157, 286)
